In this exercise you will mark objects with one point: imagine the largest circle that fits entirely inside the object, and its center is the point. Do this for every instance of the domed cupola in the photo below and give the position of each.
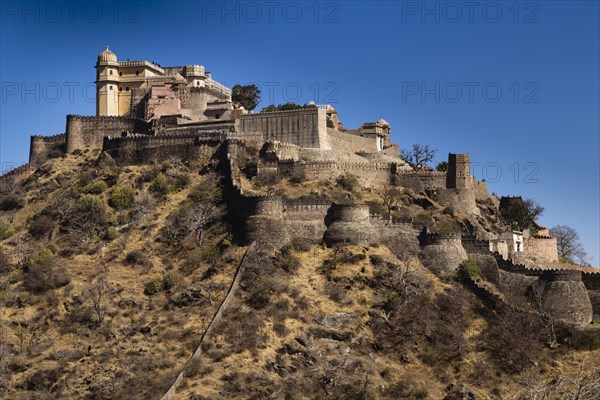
(107, 56)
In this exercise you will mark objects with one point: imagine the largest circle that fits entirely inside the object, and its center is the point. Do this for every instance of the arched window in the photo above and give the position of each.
(110, 87)
(110, 71)
(120, 73)
(127, 88)
(137, 73)
(120, 89)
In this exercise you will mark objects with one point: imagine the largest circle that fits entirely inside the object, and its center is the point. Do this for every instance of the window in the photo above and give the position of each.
(137, 73)
(120, 73)
(110, 87)
(110, 71)
(127, 88)
(217, 116)
(120, 89)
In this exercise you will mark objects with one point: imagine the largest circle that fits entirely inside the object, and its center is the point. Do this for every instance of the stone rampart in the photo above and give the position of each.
(350, 142)
(369, 174)
(458, 199)
(145, 149)
(41, 146)
(84, 131)
(15, 176)
(441, 253)
(566, 298)
(303, 127)
(419, 181)
(350, 224)
(306, 218)
(544, 248)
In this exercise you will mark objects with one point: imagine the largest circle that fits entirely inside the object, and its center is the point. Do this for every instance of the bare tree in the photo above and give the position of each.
(569, 245)
(419, 156)
(548, 320)
(391, 197)
(96, 292)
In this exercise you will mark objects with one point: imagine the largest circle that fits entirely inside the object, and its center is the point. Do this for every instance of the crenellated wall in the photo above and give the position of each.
(419, 181)
(304, 127)
(351, 143)
(85, 131)
(145, 149)
(41, 146)
(566, 298)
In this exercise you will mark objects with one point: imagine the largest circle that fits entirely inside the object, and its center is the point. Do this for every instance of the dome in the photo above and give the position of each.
(383, 122)
(107, 55)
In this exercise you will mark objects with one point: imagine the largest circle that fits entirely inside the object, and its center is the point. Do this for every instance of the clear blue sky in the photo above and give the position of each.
(514, 84)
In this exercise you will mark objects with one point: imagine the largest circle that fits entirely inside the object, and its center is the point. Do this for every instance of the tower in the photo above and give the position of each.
(107, 83)
(459, 171)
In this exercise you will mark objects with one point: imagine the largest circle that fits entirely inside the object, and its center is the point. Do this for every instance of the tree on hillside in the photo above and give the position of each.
(569, 245)
(247, 96)
(419, 156)
(391, 197)
(520, 214)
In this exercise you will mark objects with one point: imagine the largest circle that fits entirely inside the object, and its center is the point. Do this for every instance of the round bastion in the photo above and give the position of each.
(443, 253)
(566, 298)
(350, 224)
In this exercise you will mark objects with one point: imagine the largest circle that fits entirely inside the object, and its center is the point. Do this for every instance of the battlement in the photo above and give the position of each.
(562, 275)
(306, 205)
(350, 212)
(49, 139)
(41, 146)
(433, 238)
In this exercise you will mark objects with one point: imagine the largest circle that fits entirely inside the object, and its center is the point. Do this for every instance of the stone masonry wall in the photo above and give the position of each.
(144, 149)
(541, 247)
(351, 143)
(90, 131)
(41, 146)
(304, 127)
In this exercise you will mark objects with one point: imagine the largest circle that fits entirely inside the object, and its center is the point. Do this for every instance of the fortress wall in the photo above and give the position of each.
(41, 146)
(459, 199)
(89, 131)
(541, 247)
(369, 174)
(306, 218)
(145, 149)
(351, 143)
(15, 176)
(480, 189)
(421, 180)
(304, 127)
(595, 300)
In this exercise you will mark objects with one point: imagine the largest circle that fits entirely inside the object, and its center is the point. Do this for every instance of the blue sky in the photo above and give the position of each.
(514, 84)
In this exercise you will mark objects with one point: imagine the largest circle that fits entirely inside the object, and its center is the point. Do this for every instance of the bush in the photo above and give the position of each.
(160, 184)
(11, 201)
(286, 260)
(6, 231)
(97, 187)
(137, 257)
(159, 284)
(181, 181)
(347, 181)
(91, 209)
(298, 176)
(40, 225)
(121, 197)
(43, 273)
(468, 269)
(111, 233)
(587, 341)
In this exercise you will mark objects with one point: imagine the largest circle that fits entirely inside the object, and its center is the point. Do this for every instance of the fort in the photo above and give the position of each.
(147, 114)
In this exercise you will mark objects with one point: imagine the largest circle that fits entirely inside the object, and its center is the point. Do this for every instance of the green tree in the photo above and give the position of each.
(442, 167)
(520, 214)
(247, 96)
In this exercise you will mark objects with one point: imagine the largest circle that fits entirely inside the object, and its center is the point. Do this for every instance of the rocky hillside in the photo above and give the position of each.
(110, 278)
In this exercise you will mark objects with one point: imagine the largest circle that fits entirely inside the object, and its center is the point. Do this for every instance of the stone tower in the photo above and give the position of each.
(107, 83)
(459, 171)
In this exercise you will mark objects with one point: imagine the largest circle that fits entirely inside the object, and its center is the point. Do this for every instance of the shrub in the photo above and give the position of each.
(121, 197)
(468, 269)
(111, 233)
(301, 244)
(160, 184)
(43, 273)
(137, 257)
(97, 187)
(286, 260)
(587, 341)
(181, 181)
(159, 284)
(298, 176)
(91, 209)
(347, 181)
(11, 201)
(6, 231)
(40, 225)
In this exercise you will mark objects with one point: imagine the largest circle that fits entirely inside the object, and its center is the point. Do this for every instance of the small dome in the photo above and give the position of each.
(107, 55)
(383, 122)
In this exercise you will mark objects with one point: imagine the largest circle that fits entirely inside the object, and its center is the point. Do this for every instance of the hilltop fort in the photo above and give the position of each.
(147, 115)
